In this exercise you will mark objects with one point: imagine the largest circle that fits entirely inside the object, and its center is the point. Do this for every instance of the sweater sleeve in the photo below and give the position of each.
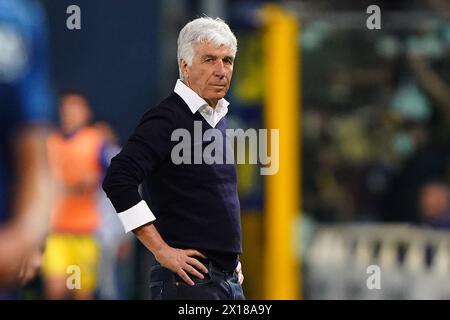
(145, 149)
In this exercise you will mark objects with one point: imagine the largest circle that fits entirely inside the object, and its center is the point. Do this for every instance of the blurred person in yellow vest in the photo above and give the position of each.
(72, 254)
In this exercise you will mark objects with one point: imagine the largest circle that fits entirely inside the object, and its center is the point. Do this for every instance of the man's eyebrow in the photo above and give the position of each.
(209, 56)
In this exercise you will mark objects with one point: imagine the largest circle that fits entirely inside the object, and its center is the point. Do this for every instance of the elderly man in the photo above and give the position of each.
(193, 227)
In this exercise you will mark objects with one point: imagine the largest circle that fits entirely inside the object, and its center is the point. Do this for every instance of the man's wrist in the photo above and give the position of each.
(149, 236)
(159, 251)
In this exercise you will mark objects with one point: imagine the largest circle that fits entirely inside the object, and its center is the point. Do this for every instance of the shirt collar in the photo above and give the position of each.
(195, 102)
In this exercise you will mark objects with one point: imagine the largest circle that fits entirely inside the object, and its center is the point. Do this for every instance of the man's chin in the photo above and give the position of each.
(219, 94)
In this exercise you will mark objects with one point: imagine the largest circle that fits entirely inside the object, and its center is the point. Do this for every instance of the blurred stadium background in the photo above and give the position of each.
(364, 119)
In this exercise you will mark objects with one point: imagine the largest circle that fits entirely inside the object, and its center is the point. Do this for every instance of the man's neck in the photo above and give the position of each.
(70, 133)
(212, 103)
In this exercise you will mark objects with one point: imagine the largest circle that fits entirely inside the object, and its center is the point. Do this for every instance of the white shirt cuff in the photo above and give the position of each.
(136, 216)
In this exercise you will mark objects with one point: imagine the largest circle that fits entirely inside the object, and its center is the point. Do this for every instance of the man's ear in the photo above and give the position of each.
(184, 67)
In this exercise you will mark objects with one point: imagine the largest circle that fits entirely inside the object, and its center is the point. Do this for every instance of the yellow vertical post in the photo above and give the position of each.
(282, 190)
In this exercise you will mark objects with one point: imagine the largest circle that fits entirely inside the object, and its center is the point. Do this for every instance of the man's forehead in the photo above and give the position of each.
(207, 48)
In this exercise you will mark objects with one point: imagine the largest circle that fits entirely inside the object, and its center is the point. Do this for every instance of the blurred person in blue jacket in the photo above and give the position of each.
(25, 106)
(115, 246)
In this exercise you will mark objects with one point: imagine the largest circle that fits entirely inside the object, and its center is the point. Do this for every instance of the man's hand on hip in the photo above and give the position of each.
(177, 260)
(182, 262)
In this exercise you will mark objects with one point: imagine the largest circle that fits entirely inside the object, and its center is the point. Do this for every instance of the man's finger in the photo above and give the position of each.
(193, 271)
(21, 272)
(27, 277)
(197, 264)
(185, 277)
(192, 252)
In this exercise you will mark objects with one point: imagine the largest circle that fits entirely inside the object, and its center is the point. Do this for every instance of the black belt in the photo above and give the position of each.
(213, 267)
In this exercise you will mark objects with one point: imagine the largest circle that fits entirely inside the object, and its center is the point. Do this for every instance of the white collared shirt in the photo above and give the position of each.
(197, 103)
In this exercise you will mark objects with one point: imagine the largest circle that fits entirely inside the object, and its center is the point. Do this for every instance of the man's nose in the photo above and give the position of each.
(219, 69)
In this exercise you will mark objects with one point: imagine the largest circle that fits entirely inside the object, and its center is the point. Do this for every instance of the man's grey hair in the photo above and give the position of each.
(204, 29)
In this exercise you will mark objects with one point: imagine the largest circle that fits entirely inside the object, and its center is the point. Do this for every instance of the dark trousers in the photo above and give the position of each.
(217, 285)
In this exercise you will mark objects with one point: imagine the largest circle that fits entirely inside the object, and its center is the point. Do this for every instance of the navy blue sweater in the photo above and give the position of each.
(196, 205)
